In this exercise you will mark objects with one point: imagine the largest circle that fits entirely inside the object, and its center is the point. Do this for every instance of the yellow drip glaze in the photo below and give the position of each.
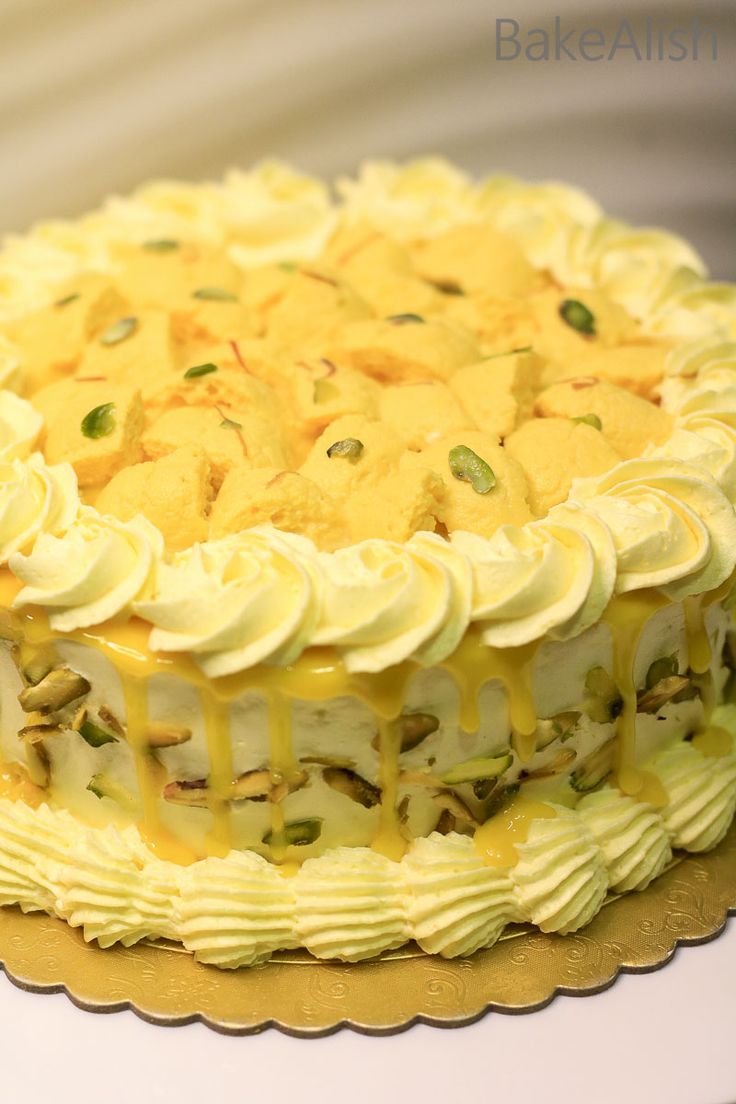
(698, 645)
(714, 742)
(217, 732)
(626, 617)
(283, 765)
(17, 785)
(389, 840)
(496, 840)
(474, 664)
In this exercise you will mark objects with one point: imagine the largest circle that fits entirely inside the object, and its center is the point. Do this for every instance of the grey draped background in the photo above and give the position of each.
(97, 95)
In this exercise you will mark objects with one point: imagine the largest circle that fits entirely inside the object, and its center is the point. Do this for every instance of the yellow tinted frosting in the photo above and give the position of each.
(92, 573)
(702, 796)
(560, 878)
(34, 498)
(457, 903)
(631, 835)
(350, 905)
(20, 426)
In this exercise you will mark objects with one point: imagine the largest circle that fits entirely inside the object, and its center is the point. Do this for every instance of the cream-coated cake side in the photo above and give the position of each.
(367, 562)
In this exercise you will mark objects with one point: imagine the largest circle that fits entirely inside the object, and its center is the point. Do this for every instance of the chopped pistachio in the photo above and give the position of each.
(351, 448)
(36, 670)
(560, 727)
(447, 823)
(253, 785)
(99, 422)
(215, 294)
(447, 287)
(561, 761)
(595, 770)
(662, 668)
(355, 787)
(67, 299)
(161, 245)
(296, 833)
(653, 699)
(452, 803)
(500, 797)
(603, 702)
(484, 787)
(94, 735)
(119, 331)
(467, 466)
(416, 727)
(230, 423)
(404, 319)
(108, 718)
(161, 734)
(200, 370)
(589, 419)
(472, 770)
(101, 785)
(185, 792)
(57, 689)
(577, 315)
(35, 733)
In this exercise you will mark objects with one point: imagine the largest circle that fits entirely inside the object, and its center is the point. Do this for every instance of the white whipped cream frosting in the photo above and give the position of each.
(352, 903)
(34, 498)
(90, 574)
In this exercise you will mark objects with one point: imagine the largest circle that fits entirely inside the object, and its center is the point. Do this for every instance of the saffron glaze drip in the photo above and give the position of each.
(319, 675)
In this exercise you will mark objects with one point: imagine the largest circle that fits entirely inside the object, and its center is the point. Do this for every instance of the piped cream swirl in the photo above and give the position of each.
(631, 835)
(34, 498)
(235, 602)
(90, 574)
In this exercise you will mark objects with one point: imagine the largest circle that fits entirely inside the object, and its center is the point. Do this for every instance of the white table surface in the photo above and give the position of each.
(660, 1038)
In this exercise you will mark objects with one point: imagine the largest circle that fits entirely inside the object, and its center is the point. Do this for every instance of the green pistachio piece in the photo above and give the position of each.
(55, 690)
(447, 287)
(415, 727)
(101, 785)
(664, 691)
(296, 833)
(100, 422)
(352, 785)
(559, 763)
(603, 703)
(595, 770)
(119, 331)
(229, 423)
(288, 266)
(215, 294)
(200, 370)
(67, 299)
(405, 319)
(472, 770)
(577, 315)
(470, 468)
(351, 448)
(662, 668)
(161, 245)
(193, 793)
(589, 419)
(94, 735)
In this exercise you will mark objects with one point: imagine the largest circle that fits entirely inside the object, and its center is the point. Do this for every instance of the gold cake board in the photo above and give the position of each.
(301, 996)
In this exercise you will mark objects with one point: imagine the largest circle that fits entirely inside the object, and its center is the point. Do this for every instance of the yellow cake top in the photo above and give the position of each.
(267, 419)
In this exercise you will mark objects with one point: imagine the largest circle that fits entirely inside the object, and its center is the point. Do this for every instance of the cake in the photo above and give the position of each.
(368, 562)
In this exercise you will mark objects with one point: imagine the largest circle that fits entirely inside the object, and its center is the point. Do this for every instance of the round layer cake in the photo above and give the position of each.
(369, 560)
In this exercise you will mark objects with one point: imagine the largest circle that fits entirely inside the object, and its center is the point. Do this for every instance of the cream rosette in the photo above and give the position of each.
(274, 214)
(540, 217)
(34, 498)
(33, 265)
(34, 853)
(114, 888)
(92, 572)
(20, 427)
(419, 199)
(672, 526)
(235, 602)
(384, 602)
(695, 309)
(161, 209)
(697, 367)
(11, 368)
(554, 576)
(702, 796)
(634, 265)
(631, 835)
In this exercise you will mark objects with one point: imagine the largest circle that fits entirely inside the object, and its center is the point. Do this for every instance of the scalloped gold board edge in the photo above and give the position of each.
(301, 996)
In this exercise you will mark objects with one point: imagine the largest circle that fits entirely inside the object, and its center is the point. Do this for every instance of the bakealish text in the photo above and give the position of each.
(650, 41)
